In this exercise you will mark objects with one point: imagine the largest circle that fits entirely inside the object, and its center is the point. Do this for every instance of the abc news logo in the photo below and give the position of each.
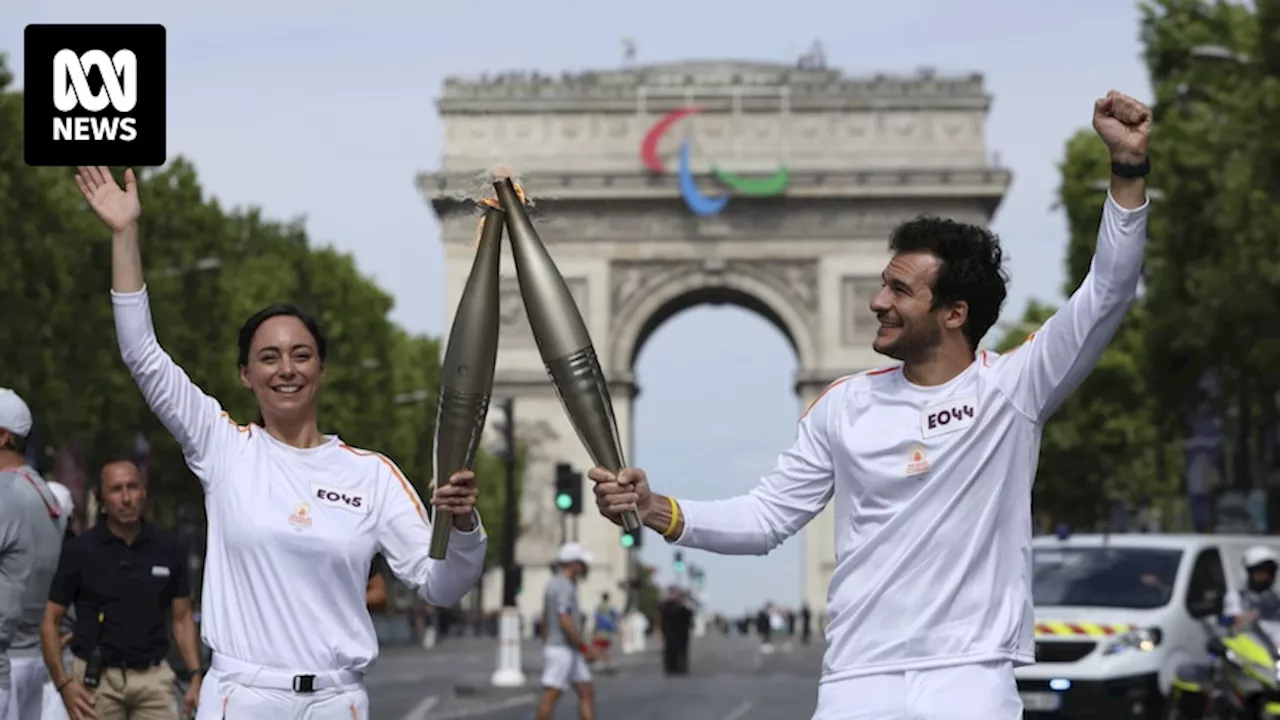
(95, 95)
(71, 91)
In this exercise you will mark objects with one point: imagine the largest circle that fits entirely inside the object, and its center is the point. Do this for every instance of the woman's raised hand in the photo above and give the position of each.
(118, 208)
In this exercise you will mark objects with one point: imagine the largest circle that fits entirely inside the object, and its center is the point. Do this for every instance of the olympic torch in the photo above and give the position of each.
(563, 341)
(466, 377)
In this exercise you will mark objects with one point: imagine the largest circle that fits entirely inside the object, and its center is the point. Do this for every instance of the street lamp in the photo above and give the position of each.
(508, 672)
(1219, 52)
(202, 265)
(1244, 67)
(411, 397)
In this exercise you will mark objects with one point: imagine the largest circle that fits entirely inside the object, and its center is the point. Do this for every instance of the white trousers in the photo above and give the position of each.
(27, 678)
(985, 691)
(563, 667)
(4, 703)
(241, 691)
(53, 709)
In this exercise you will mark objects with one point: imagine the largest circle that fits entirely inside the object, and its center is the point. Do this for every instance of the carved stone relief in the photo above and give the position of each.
(794, 279)
(856, 318)
(513, 323)
(635, 279)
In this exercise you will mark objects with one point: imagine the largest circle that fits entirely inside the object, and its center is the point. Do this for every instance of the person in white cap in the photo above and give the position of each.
(565, 654)
(295, 516)
(30, 543)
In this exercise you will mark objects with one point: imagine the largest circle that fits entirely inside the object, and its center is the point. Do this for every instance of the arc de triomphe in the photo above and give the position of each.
(803, 247)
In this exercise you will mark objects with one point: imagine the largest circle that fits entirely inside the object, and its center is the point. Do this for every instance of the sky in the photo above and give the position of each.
(326, 110)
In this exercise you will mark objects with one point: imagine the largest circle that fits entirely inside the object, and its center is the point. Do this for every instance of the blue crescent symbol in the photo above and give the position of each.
(697, 202)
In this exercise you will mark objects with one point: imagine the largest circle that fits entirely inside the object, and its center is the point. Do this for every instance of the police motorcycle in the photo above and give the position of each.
(1242, 679)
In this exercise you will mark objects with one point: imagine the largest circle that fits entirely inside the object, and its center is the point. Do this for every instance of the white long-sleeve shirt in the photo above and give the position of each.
(932, 487)
(292, 532)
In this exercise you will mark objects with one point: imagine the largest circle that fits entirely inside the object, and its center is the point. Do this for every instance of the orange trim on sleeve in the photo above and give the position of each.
(404, 482)
(823, 394)
(238, 426)
(1020, 345)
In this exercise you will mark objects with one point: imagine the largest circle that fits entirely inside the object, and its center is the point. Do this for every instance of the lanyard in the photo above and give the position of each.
(55, 511)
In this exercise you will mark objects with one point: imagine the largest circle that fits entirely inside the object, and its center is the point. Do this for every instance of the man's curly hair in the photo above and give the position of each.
(970, 268)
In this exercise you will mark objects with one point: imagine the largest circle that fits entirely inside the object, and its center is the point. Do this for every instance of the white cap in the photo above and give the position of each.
(65, 501)
(573, 552)
(1259, 554)
(15, 416)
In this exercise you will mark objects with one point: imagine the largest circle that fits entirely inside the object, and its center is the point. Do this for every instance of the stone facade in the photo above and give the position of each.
(864, 154)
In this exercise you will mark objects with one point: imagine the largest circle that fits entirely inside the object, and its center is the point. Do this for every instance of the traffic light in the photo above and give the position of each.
(631, 538)
(679, 564)
(568, 489)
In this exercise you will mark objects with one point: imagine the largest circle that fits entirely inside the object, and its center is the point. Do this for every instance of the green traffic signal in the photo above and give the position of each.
(679, 567)
(628, 540)
(563, 501)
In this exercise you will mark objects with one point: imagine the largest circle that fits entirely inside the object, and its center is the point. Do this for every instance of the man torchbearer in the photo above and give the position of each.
(930, 463)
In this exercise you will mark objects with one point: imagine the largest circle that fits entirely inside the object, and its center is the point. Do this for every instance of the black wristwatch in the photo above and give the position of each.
(1131, 171)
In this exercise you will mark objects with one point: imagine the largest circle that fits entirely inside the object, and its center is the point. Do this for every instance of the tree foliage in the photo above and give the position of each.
(208, 268)
(1209, 298)
(1214, 254)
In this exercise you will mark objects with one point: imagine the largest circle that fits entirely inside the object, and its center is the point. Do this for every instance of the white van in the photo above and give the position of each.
(1114, 618)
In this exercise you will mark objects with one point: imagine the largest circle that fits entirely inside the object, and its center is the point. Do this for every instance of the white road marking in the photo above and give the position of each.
(740, 711)
(487, 708)
(422, 709)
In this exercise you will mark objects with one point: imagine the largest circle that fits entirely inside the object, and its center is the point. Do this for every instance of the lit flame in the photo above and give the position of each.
(492, 202)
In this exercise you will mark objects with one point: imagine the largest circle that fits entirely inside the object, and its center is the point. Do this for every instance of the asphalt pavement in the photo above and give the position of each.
(730, 679)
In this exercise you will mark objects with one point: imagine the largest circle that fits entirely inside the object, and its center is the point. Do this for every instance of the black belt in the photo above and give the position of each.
(304, 684)
(124, 665)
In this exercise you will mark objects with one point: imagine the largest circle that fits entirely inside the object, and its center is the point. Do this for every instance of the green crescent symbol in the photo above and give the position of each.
(775, 184)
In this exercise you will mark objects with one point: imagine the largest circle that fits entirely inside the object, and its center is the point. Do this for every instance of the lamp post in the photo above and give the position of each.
(509, 672)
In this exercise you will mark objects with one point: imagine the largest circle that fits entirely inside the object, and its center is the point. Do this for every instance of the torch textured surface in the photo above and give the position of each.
(466, 376)
(563, 341)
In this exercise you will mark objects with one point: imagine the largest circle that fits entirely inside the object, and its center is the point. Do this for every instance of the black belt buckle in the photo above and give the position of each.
(304, 683)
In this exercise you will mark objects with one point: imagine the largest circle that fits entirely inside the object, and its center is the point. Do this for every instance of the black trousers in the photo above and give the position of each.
(675, 656)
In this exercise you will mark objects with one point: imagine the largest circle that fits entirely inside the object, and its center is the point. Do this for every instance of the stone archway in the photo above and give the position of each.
(647, 293)
(633, 254)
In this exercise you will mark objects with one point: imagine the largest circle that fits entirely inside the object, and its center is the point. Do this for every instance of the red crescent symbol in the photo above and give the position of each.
(649, 148)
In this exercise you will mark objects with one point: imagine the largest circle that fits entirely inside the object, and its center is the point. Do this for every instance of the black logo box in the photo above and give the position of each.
(42, 43)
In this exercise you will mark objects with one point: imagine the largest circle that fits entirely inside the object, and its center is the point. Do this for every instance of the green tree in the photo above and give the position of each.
(58, 338)
(1085, 170)
(649, 595)
(1102, 445)
(208, 269)
(1214, 259)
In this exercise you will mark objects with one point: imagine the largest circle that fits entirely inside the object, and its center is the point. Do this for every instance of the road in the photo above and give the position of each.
(730, 680)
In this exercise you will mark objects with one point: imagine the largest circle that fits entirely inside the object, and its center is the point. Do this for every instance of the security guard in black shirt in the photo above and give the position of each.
(129, 585)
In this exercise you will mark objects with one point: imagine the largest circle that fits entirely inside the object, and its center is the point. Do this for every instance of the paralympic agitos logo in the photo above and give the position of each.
(700, 204)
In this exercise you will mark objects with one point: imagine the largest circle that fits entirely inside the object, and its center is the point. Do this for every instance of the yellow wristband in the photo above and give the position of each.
(675, 516)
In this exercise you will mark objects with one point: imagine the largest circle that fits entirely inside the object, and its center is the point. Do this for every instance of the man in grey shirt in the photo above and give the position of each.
(564, 653)
(30, 543)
